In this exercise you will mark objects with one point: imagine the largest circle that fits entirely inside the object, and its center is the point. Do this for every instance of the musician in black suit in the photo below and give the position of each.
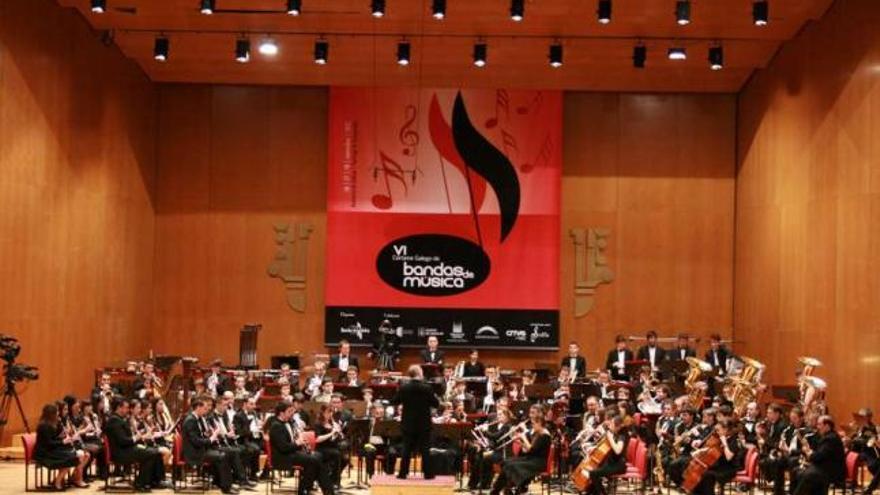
(240, 454)
(717, 354)
(575, 362)
(289, 450)
(431, 354)
(770, 460)
(198, 440)
(417, 399)
(726, 467)
(473, 367)
(682, 350)
(344, 359)
(124, 449)
(827, 461)
(104, 392)
(617, 358)
(651, 352)
(247, 425)
(216, 381)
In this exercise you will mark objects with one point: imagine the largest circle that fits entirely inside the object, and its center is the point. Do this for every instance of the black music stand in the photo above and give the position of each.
(540, 391)
(292, 360)
(455, 432)
(384, 392)
(431, 370)
(358, 429)
(349, 393)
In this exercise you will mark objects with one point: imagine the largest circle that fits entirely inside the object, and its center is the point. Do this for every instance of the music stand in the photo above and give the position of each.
(313, 409)
(520, 408)
(540, 391)
(358, 429)
(632, 368)
(358, 408)
(456, 433)
(384, 391)
(431, 370)
(349, 393)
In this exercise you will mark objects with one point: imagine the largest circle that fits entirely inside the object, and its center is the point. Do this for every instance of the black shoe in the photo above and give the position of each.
(247, 483)
(163, 485)
(142, 489)
(401, 476)
(230, 491)
(429, 477)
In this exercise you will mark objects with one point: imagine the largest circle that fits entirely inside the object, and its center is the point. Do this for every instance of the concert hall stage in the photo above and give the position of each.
(383, 484)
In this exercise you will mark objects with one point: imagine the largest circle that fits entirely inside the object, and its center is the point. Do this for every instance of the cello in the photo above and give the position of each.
(595, 459)
(701, 460)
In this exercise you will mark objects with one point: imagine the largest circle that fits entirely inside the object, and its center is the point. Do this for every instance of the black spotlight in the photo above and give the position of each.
(683, 12)
(377, 8)
(322, 52)
(716, 57)
(403, 49)
(555, 55)
(640, 56)
(160, 49)
(438, 9)
(99, 6)
(761, 12)
(603, 13)
(294, 7)
(243, 50)
(207, 7)
(517, 10)
(481, 54)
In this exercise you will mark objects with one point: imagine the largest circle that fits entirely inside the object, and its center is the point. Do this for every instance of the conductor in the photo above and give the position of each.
(417, 399)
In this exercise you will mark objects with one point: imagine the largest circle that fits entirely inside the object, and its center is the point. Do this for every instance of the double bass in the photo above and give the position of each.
(595, 459)
(702, 459)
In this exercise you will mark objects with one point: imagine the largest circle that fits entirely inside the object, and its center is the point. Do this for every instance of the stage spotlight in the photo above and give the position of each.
(677, 53)
(322, 52)
(403, 49)
(517, 10)
(268, 47)
(555, 55)
(481, 54)
(377, 8)
(603, 13)
(207, 7)
(160, 49)
(761, 12)
(683, 12)
(716, 57)
(438, 9)
(99, 6)
(294, 7)
(640, 56)
(242, 50)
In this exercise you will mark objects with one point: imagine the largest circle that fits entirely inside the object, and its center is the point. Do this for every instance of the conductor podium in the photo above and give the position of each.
(384, 484)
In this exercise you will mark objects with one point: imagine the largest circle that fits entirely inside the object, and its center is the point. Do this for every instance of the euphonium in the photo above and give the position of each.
(695, 393)
(751, 369)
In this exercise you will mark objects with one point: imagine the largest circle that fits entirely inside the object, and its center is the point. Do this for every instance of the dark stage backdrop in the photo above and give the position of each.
(443, 216)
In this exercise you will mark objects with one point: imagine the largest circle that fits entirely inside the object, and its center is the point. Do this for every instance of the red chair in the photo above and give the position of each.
(631, 450)
(278, 484)
(749, 474)
(129, 471)
(853, 468)
(547, 476)
(185, 476)
(635, 471)
(29, 442)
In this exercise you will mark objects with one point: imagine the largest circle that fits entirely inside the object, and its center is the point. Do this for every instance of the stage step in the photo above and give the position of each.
(15, 451)
(383, 484)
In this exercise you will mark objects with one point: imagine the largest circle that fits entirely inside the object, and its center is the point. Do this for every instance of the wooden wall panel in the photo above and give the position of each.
(77, 173)
(657, 170)
(807, 217)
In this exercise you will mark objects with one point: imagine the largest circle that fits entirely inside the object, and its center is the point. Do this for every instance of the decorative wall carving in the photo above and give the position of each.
(290, 260)
(590, 266)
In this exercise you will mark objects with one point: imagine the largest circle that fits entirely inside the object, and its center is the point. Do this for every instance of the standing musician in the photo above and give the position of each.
(771, 460)
(386, 347)
(725, 468)
(328, 435)
(682, 349)
(827, 462)
(517, 472)
(198, 445)
(575, 362)
(474, 367)
(125, 449)
(485, 452)
(717, 355)
(289, 450)
(615, 461)
(617, 359)
(651, 352)
(431, 354)
(104, 392)
(344, 360)
(417, 399)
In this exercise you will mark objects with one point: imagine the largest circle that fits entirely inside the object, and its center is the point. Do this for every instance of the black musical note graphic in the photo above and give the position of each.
(533, 105)
(502, 106)
(389, 169)
(543, 156)
(508, 140)
(408, 136)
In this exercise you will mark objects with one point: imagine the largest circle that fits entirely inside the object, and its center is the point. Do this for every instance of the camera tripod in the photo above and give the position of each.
(10, 395)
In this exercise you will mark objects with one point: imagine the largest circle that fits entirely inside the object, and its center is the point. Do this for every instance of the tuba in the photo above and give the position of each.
(813, 395)
(695, 390)
(745, 386)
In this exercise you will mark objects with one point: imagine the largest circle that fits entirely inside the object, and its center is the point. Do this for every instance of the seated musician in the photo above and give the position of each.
(90, 424)
(216, 381)
(864, 441)
(152, 435)
(55, 450)
(314, 382)
(289, 450)
(482, 456)
(328, 435)
(226, 442)
(240, 390)
(344, 360)
(124, 448)
(576, 363)
(247, 424)
(589, 434)
(827, 461)
(473, 367)
(682, 349)
(689, 436)
(604, 383)
(148, 374)
(351, 378)
(664, 431)
(248, 453)
(564, 378)
(769, 435)
(84, 432)
(651, 352)
(615, 461)
(460, 393)
(749, 423)
(326, 392)
(377, 445)
(617, 358)
(494, 387)
(725, 468)
(431, 354)
(199, 388)
(368, 398)
(299, 417)
(795, 435)
(285, 391)
(286, 374)
(516, 473)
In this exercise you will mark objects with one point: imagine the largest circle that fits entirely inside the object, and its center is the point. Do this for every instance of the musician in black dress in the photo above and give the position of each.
(827, 461)
(474, 367)
(518, 472)
(725, 468)
(482, 458)
(55, 450)
(289, 449)
(615, 461)
(328, 435)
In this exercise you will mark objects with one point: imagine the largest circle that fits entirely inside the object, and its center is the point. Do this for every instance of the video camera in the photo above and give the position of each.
(10, 348)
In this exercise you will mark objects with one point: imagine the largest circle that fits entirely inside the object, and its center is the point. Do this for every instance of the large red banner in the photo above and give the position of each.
(443, 215)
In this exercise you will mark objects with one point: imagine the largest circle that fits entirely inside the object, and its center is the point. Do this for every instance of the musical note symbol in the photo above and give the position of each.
(389, 169)
(543, 156)
(509, 142)
(502, 105)
(407, 136)
(534, 105)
